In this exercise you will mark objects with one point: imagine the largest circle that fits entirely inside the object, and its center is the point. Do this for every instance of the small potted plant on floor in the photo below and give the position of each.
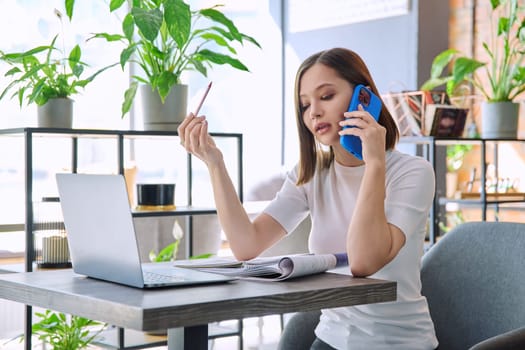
(38, 76)
(500, 80)
(65, 332)
(166, 38)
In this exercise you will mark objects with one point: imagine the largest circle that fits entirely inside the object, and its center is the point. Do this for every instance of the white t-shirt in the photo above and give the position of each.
(329, 197)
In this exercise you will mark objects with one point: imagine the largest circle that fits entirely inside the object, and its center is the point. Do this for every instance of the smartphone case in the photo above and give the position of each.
(372, 104)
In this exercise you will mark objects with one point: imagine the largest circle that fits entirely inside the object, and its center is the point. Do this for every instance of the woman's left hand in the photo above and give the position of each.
(371, 133)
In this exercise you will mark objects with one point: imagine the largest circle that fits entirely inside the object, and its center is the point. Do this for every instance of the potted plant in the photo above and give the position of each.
(63, 332)
(455, 156)
(37, 76)
(166, 38)
(500, 80)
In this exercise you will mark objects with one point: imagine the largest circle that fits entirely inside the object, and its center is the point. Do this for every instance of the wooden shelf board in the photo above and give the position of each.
(494, 196)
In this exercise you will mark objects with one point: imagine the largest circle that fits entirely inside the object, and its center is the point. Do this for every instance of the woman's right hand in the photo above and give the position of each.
(194, 137)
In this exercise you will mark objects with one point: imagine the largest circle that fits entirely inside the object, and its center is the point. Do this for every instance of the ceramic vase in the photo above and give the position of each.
(56, 113)
(499, 120)
(164, 116)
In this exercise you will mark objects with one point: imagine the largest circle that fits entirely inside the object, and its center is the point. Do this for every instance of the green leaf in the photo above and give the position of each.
(465, 66)
(20, 95)
(432, 83)
(11, 84)
(165, 81)
(93, 76)
(219, 17)
(441, 61)
(128, 26)
(35, 95)
(495, 3)
(129, 96)
(74, 56)
(178, 20)
(250, 39)
(107, 36)
(219, 40)
(166, 254)
(13, 71)
(520, 34)
(148, 22)
(126, 54)
(503, 25)
(115, 4)
(520, 75)
(63, 333)
(77, 70)
(70, 4)
(219, 58)
(17, 57)
(201, 68)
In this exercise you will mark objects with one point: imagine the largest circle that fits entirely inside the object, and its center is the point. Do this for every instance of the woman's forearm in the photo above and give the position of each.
(371, 244)
(236, 224)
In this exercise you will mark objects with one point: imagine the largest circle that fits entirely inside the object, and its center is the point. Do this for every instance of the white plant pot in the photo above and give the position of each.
(499, 120)
(56, 113)
(164, 116)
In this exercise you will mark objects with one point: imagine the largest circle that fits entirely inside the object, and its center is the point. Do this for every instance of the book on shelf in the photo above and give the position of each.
(445, 120)
(408, 107)
(407, 119)
(276, 268)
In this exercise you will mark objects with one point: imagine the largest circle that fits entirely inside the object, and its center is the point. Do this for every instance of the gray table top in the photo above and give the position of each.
(146, 310)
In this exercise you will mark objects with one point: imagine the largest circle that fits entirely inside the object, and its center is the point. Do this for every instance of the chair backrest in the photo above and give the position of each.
(474, 281)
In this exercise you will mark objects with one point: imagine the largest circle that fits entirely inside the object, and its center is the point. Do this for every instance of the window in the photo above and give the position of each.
(247, 103)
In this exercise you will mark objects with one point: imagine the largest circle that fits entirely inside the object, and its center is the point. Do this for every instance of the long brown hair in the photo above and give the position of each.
(353, 69)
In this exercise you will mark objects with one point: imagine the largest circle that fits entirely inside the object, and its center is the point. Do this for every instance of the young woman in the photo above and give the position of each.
(375, 208)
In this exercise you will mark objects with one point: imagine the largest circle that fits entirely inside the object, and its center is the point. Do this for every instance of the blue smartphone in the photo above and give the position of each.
(372, 104)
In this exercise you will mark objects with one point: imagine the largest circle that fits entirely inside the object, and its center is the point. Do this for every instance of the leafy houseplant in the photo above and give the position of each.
(454, 161)
(500, 80)
(166, 38)
(38, 77)
(455, 155)
(66, 333)
(505, 71)
(169, 252)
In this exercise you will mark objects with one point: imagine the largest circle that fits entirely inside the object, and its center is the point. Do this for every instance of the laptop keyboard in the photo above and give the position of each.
(153, 277)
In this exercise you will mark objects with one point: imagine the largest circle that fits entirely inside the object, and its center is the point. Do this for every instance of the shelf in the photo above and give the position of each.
(101, 133)
(179, 211)
(477, 202)
(443, 141)
(495, 197)
(433, 149)
(121, 139)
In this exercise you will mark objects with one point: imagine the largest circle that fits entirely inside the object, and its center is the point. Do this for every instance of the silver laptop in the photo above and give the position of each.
(102, 239)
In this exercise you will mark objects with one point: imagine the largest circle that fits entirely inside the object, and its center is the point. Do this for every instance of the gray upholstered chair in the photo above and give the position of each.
(474, 280)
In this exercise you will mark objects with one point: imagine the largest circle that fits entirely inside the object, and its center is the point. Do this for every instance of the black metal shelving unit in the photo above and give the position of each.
(29, 135)
(430, 150)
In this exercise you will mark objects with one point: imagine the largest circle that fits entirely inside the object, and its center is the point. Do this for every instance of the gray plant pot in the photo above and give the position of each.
(499, 120)
(167, 115)
(56, 113)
